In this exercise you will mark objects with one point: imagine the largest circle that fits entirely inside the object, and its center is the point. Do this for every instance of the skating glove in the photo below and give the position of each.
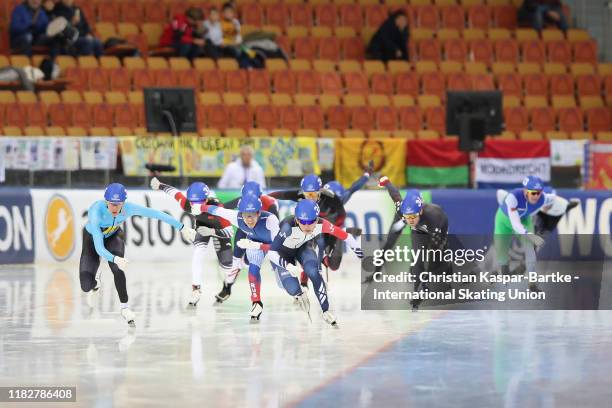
(120, 262)
(536, 240)
(189, 234)
(383, 181)
(205, 231)
(355, 245)
(155, 183)
(294, 270)
(245, 243)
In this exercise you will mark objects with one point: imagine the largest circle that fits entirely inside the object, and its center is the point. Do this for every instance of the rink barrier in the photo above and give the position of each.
(41, 225)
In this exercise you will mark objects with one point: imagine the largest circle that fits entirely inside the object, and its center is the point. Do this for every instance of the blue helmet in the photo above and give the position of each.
(533, 183)
(335, 187)
(306, 211)
(311, 183)
(115, 193)
(251, 188)
(198, 192)
(412, 203)
(249, 204)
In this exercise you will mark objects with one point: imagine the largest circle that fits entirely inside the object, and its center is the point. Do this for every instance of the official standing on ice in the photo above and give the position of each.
(103, 237)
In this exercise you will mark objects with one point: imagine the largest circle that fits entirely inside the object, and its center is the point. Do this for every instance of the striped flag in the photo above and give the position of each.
(504, 163)
(436, 163)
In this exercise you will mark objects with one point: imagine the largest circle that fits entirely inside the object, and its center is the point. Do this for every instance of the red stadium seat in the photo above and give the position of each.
(356, 83)
(78, 78)
(510, 84)
(375, 15)
(505, 16)
(236, 81)
(429, 50)
(411, 118)
(599, 120)
(218, 117)
(36, 114)
(407, 83)
(155, 12)
(301, 15)
(81, 115)
(252, 14)
(362, 118)
(241, 116)
(290, 117)
(166, 78)
(266, 117)
(284, 82)
(455, 50)
(213, 81)
(60, 114)
(482, 51)
(571, 120)
(562, 84)
(107, 11)
(434, 84)
(143, 78)
(479, 16)
(535, 84)
(386, 118)
(15, 115)
(119, 80)
(353, 48)
(559, 51)
(326, 14)
(453, 17)
(506, 50)
(190, 78)
(259, 81)
(308, 82)
(589, 85)
(103, 115)
(543, 119)
(428, 17)
(482, 82)
(458, 81)
(305, 48)
(516, 119)
(350, 15)
(435, 119)
(585, 51)
(382, 83)
(337, 117)
(126, 115)
(329, 48)
(277, 15)
(533, 51)
(331, 83)
(312, 117)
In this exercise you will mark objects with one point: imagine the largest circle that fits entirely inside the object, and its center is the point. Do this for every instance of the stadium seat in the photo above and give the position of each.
(337, 117)
(455, 50)
(236, 81)
(448, 67)
(410, 118)
(554, 68)
(458, 81)
(510, 84)
(373, 67)
(516, 119)
(511, 101)
(255, 99)
(301, 14)
(382, 84)
(505, 16)
(378, 100)
(429, 50)
(527, 68)
(559, 51)
(351, 16)
(400, 101)
(535, 85)
(49, 97)
(589, 85)
(218, 117)
(435, 118)
(354, 134)
(326, 14)
(563, 101)
(434, 84)
(363, 118)
(55, 131)
(427, 134)
(422, 67)
(308, 82)
(553, 34)
(143, 78)
(585, 51)
(570, 119)
(533, 51)
(237, 133)
(284, 82)
(33, 131)
(543, 119)
(506, 51)
(587, 102)
(479, 16)
(102, 115)
(36, 114)
(482, 82)
(166, 78)
(386, 118)
(356, 83)
(428, 17)
(407, 83)
(329, 49)
(375, 15)
(126, 115)
(312, 117)
(582, 68)
(290, 117)
(473, 68)
(562, 85)
(604, 137)
(556, 135)
(481, 50)
(531, 135)
(277, 14)
(379, 134)
(15, 115)
(448, 34)
(119, 79)
(453, 17)
(301, 99)
(353, 48)
(241, 116)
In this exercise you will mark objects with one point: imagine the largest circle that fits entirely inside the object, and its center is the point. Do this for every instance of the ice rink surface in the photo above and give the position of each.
(213, 356)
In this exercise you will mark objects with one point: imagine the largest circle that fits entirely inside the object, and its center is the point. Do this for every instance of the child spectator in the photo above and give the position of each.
(183, 34)
(86, 44)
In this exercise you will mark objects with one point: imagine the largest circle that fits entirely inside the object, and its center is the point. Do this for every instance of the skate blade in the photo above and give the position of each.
(254, 320)
(132, 324)
(191, 306)
(335, 325)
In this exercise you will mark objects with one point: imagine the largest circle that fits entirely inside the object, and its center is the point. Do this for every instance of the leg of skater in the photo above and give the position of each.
(88, 266)
(197, 260)
(116, 245)
(231, 266)
(310, 262)
(255, 258)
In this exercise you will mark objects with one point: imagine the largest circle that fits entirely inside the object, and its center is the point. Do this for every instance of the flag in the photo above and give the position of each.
(353, 155)
(599, 166)
(436, 163)
(505, 163)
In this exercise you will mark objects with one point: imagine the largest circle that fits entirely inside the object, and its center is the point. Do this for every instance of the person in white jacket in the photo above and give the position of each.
(242, 170)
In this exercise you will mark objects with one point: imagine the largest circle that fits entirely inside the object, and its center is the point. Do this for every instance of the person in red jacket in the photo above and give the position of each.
(183, 34)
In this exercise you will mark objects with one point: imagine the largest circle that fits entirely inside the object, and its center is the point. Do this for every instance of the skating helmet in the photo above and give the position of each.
(249, 204)
(311, 183)
(307, 211)
(198, 192)
(251, 188)
(412, 203)
(115, 193)
(335, 188)
(533, 183)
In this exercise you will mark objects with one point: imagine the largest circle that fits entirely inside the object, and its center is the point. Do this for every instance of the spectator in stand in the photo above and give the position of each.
(539, 12)
(390, 42)
(242, 170)
(183, 34)
(213, 34)
(230, 31)
(86, 44)
(28, 26)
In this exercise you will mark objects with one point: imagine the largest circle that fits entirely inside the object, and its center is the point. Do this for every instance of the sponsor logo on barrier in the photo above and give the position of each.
(16, 227)
(59, 227)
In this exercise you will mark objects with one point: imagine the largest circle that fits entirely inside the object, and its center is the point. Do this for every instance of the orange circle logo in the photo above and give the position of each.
(59, 227)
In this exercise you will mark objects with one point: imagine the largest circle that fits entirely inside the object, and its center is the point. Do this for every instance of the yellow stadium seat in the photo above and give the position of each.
(344, 32)
(71, 97)
(65, 61)
(354, 133)
(378, 100)
(349, 66)
(4, 61)
(108, 30)
(209, 132)
(604, 137)
(99, 131)
(500, 68)
(324, 66)
(470, 34)
(321, 32)
(157, 63)
(400, 101)
(582, 136)
(76, 131)
(373, 67)
(92, 97)
(396, 67)
(276, 30)
(525, 68)
(33, 131)
(275, 64)
(581, 68)
(530, 135)
(556, 135)
(352, 101)
(127, 29)
(179, 64)
(135, 97)
(297, 32)
(19, 61)
(404, 134)
(204, 64)
(379, 134)
(233, 98)
(367, 33)
(575, 34)
(281, 99)
(257, 99)
(12, 131)
(279, 132)
(306, 133)
(7, 97)
(427, 135)
(422, 67)
(559, 102)
(227, 64)
(426, 101)
(331, 133)
(299, 65)
(305, 99)
(258, 132)
(552, 35)
(115, 97)
(506, 135)
(448, 34)
(140, 131)
(152, 32)
(417, 34)
(48, 97)
(325, 101)
(55, 131)
(121, 131)
(554, 68)
(525, 34)
(210, 98)
(448, 67)
(26, 97)
(473, 68)
(132, 63)
(499, 34)
(532, 101)
(588, 102)
(511, 101)
(235, 132)
(109, 62)
(604, 68)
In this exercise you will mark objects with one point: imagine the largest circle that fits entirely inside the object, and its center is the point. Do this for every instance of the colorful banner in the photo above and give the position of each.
(505, 163)
(567, 153)
(436, 163)
(41, 153)
(198, 156)
(353, 155)
(98, 153)
(326, 153)
(599, 166)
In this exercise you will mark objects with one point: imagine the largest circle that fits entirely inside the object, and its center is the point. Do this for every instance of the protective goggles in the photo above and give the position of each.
(304, 222)
(311, 195)
(534, 193)
(249, 214)
(411, 217)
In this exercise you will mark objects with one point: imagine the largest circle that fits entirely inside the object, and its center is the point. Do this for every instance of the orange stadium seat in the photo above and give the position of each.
(252, 14)
(535, 85)
(218, 117)
(585, 51)
(570, 120)
(36, 114)
(429, 50)
(143, 78)
(60, 114)
(166, 77)
(455, 50)
(510, 84)
(505, 16)
(506, 51)
(516, 119)
(156, 12)
(481, 50)
(312, 117)
(351, 16)
(126, 115)
(362, 118)
(189, 79)
(331, 83)
(533, 51)
(81, 115)
(15, 115)
(305, 48)
(386, 118)
(212, 81)
(382, 83)
(241, 116)
(458, 81)
(326, 14)
(329, 48)
(338, 117)
(435, 118)
(453, 17)
(599, 120)
(589, 85)
(375, 15)
(266, 117)
(119, 79)
(353, 48)
(290, 117)
(301, 14)
(543, 119)
(236, 81)
(102, 115)
(259, 81)
(559, 51)
(434, 84)
(479, 16)
(562, 85)
(411, 118)
(356, 82)
(308, 82)
(284, 82)
(428, 17)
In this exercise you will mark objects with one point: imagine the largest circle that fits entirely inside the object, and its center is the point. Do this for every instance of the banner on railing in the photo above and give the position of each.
(436, 163)
(197, 156)
(98, 153)
(599, 171)
(41, 153)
